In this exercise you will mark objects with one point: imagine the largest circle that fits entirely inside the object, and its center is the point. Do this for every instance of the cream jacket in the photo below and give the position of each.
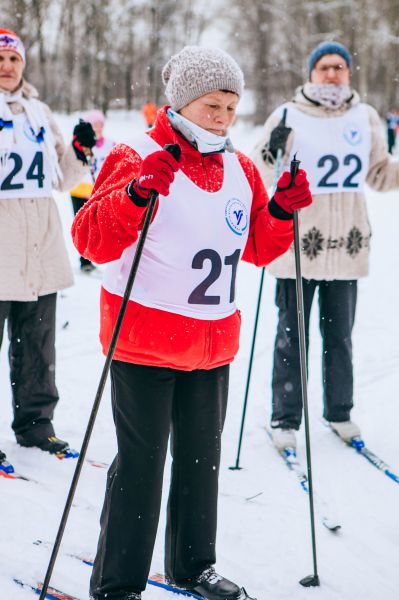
(33, 257)
(335, 231)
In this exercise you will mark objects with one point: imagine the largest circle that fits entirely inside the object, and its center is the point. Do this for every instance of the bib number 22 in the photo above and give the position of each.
(332, 163)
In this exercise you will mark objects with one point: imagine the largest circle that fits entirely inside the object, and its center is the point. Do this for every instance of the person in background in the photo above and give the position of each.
(149, 111)
(170, 370)
(81, 193)
(34, 264)
(340, 143)
(392, 120)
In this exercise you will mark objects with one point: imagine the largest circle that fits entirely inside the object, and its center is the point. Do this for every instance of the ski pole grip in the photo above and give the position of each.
(174, 150)
(294, 166)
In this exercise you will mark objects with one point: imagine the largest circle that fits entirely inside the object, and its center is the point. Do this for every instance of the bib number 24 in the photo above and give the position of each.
(34, 172)
(198, 295)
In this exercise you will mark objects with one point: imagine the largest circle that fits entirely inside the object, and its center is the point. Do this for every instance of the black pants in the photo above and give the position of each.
(149, 403)
(77, 204)
(391, 139)
(31, 331)
(337, 306)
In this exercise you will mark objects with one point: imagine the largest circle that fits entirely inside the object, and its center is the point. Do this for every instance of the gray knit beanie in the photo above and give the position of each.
(196, 71)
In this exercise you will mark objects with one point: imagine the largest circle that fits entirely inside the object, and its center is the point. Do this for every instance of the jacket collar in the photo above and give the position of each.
(163, 130)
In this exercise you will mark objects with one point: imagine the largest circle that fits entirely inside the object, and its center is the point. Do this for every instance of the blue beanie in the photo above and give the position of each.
(328, 48)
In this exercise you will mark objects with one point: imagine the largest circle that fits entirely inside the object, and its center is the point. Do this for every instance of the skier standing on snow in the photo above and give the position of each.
(81, 193)
(171, 366)
(341, 145)
(33, 259)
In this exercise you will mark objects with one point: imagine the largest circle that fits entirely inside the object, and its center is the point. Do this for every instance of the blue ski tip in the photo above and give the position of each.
(391, 475)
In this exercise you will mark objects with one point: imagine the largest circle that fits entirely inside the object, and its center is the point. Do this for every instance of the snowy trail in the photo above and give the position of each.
(264, 537)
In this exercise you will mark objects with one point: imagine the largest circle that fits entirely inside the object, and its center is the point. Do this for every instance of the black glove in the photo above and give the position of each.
(278, 139)
(83, 137)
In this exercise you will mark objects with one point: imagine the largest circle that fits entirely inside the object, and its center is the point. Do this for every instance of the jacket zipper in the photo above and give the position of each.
(207, 350)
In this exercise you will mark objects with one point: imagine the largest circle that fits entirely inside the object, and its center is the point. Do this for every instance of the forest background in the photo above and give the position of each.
(110, 53)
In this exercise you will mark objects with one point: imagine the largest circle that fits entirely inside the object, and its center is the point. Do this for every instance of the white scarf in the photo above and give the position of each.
(204, 141)
(40, 127)
(328, 94)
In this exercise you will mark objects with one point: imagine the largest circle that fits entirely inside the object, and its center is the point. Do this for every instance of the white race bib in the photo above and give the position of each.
(26, 173)
(334, 151)
(193, 246)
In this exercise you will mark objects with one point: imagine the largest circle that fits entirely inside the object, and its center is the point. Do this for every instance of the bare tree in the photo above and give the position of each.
(84, 53)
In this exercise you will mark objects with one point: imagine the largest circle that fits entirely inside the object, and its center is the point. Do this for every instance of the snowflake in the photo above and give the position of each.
(354, 242)
(312, 243)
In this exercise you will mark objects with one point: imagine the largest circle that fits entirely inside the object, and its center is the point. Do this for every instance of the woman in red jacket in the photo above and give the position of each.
(171, 365)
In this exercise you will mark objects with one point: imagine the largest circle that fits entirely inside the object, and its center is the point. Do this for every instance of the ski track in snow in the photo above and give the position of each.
(263, 532)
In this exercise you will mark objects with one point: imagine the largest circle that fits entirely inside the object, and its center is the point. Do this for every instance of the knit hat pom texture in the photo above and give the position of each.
(196, 71)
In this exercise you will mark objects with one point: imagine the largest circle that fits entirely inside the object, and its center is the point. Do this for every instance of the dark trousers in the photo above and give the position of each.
(77, 204)
(31, 331)
(337, 306)
(391, 139)
(149, 403)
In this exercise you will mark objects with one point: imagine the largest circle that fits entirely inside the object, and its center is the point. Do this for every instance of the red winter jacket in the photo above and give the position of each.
(110, 222)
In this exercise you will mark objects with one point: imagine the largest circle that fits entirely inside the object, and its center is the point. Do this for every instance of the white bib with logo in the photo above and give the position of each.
(334, 151)
(26, 173)
(193, 246)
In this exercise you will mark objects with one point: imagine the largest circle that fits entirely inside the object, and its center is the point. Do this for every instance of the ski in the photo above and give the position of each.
(156, 579)
(52, 593)
(290, 459)
(7, 471)
(97, 463)
(359, 445)
(14, 475)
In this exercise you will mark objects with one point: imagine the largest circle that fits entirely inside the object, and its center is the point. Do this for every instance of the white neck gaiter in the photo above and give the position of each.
(328, 94)
(204, 141)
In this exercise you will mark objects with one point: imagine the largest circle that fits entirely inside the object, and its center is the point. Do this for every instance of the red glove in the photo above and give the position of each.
(156, 173)
(296, 197)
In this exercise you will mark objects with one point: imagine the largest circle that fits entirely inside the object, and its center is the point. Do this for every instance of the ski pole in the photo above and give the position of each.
(310, 580)
(251, 356)
(174, 149)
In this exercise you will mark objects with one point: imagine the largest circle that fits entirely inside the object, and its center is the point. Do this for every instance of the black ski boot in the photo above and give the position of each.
(51, 444)
(212, 586)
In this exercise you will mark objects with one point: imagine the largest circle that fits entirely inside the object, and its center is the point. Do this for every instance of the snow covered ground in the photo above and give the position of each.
(264, 537)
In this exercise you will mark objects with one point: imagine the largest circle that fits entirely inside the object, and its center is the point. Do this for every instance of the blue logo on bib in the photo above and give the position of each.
(28, 131)
(236, 216)
(30, 134)
(352, 134)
